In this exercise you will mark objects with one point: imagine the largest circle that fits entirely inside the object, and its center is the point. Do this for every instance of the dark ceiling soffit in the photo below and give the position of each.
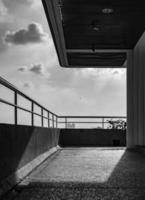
(56, 30)
(54, 19)
(99, 59)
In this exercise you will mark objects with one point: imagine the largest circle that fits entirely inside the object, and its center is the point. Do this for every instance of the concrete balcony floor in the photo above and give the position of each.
(86, 174)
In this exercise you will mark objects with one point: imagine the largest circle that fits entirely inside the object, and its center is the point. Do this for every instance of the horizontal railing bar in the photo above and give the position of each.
(13, 88)
(11, 104)
(105, 117)
(24, 109)
(84, 122)
(21, 108)
(37, 114)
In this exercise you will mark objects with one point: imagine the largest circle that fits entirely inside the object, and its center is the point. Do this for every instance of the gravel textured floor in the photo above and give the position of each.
(86, 174)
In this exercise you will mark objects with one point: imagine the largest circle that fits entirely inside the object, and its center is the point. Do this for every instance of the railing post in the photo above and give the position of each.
(42, 117)
(48, 120)
(16, 111)
(103, 122)
(32, 114)
(53, 120)
(65, 122)
(56, 122)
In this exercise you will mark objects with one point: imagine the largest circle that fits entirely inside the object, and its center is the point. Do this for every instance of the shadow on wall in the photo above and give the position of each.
(126, 181)
(21, 144)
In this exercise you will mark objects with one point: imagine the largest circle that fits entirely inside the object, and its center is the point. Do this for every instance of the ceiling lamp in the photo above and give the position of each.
(94, 26)
(93, 47)
(107, 10)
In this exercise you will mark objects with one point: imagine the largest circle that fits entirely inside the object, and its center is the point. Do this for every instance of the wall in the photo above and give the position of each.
(136, 94)
(91, 137)
(21, 144)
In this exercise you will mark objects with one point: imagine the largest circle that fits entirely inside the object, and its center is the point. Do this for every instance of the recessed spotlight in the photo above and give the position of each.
(107, 10)
(95, 28)
(93, 47)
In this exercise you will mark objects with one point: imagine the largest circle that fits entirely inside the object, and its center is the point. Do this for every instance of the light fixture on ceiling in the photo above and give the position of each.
(93, 47)
(107, 10)
(94, 26)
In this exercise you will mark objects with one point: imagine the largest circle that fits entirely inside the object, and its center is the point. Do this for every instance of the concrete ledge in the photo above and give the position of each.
(92, 137)
(20, 174)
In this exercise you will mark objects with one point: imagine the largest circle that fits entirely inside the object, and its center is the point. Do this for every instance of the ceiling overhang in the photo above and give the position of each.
(94, 33)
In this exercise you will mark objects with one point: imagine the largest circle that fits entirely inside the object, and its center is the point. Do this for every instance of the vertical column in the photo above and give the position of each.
(130, 96)
(140, 89)
(136, 92)
(143, 139)
(136, 97)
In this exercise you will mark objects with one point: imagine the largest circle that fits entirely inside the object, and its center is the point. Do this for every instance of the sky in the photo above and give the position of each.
(29, 61)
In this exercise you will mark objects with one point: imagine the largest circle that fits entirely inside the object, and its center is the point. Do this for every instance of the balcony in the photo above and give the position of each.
(69, 147)
(45, 155)
(74, 130)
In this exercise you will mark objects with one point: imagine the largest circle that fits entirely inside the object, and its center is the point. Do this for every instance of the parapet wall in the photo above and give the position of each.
(19, 145)
(92, 137)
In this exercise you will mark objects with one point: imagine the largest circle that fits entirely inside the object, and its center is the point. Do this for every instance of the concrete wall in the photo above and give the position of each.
(92, 137)
(136, 94)
(21, 144)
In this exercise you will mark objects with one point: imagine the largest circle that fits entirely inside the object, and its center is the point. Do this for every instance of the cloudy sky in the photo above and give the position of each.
(28, 60)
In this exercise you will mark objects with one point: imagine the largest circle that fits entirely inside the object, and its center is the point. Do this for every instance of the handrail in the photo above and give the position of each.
(91, 116)
(67, 120)
(17, 92)
(12, 87)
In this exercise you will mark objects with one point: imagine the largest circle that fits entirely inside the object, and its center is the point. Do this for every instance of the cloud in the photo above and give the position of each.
(94, 92)
(22, 10)
(102, 73)
(38, 69)
(3, 46)
(15, 3)
(22, 69)
(33, 34)
(115, 72)
(61, 77)
(5, 16)
(3, 9)
(27, 85)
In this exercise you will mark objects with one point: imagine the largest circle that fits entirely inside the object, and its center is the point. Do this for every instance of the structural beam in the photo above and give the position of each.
(53, 14)
(97, 51)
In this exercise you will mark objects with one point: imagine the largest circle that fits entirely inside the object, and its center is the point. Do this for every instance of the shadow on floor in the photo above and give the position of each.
(126, 182)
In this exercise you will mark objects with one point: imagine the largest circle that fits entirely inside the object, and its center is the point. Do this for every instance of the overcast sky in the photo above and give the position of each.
(29, 61)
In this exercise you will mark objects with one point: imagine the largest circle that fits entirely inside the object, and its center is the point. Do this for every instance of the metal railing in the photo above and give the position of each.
(54, 117)
(56, 121)
(89, 121)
